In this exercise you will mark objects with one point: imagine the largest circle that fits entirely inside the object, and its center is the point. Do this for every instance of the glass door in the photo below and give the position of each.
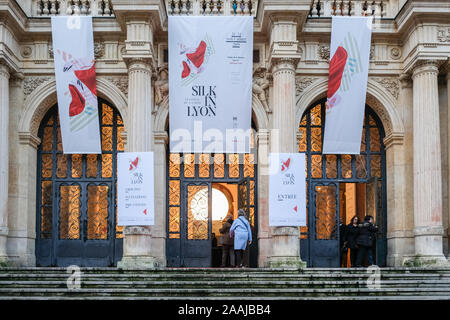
(324, 234)
(196, 231)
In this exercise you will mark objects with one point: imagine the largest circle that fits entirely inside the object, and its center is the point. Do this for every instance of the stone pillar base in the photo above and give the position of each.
(287, 263)
(3, 238)
(437, 261)
(286, 248)
(139, 262)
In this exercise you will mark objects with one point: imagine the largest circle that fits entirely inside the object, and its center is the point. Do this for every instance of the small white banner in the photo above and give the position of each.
(287, 190)
(210, 81)
(73, 50)
(347, 84)
(135, 189)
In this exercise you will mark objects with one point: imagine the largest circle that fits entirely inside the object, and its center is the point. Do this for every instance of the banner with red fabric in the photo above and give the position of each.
(347, 84)
(73, 47)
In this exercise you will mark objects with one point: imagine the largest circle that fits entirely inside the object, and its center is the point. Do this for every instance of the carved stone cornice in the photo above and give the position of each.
(393, 138)
(301, 83)
(324, 52)
(121, 82)
(443, 34)
(405, 81)
(390, 84)
(160, 137)
(27, 138)
(16, 79)
(30, 83)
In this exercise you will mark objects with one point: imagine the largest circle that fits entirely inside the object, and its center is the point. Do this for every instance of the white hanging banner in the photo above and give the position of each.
(135, 189)
(210, 83)
(347, 84)
(287, 190)
(73, 50)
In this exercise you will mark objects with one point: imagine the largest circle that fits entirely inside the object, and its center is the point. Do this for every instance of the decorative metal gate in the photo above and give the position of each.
(189, 192)
(76, 197)
(325, 178)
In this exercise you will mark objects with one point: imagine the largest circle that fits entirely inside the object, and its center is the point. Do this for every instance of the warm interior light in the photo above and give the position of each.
(220, 205)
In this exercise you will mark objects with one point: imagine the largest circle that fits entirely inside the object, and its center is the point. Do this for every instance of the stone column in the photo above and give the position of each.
(264, 237)
(428, 228)
(448, 148)
(285, 240)
(159, 229)
(137, 249)
(4, 152)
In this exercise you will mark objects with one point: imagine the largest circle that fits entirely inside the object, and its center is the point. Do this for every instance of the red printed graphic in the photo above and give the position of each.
(198, 56)
(337, 65)
(88, 78)
(186, 70)
(285, 164)
(78, 102)
(295, 208)
(134, 164)
(145, 211)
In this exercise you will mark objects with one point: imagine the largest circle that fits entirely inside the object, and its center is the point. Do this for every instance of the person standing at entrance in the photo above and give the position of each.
(365, 240)
(242, 234)
(350, 239)
(227, 242)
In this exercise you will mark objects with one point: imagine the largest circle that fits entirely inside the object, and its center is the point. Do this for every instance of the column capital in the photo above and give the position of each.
(286, 64)
(425, 66)
(143, 64)
(4, 70)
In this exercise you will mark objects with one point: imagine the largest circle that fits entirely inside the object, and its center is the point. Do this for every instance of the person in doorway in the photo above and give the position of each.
(227, 242)
(365, 240)
(242, 233)
(342, 246)
(350, 239)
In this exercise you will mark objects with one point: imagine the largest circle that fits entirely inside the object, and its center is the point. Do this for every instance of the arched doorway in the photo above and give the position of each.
(76, 196)
(192, 238)
(339, 187)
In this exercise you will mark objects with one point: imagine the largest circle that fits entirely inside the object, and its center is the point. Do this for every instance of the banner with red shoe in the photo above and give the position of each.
(210, 83)
(287, 190)
(135, 189)
(347, 84)
(73, 47)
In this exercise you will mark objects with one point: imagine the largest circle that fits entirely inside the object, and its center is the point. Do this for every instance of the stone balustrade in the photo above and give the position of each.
(211, 7)
(328, 8)
(46, 8)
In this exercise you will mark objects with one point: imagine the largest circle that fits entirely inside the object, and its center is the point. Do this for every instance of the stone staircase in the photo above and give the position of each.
(226, 284)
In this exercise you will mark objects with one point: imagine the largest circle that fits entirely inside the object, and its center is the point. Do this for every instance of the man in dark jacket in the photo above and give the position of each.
(227, 242)
(365, 240)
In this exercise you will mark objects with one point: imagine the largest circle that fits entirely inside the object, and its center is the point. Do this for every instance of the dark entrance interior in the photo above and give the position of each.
(202, 190)
(339, 187)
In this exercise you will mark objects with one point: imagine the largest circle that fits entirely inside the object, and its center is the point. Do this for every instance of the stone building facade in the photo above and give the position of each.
(408, 100)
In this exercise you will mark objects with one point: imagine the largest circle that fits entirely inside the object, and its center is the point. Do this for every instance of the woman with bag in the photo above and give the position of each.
(242, 234)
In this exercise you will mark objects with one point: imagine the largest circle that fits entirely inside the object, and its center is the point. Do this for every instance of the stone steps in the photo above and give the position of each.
(201, 283)
(92, 284)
